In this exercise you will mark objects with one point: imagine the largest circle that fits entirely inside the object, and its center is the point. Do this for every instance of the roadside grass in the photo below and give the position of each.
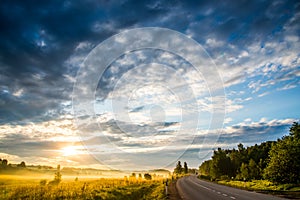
(261, 185)
(291, 191)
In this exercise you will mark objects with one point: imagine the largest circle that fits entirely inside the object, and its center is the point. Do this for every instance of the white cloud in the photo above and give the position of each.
(287, 87)
(212, 42)
(228, 120)
(55, 130)
(219, 104)
(18, 93)
(248, 120)
(263, 94)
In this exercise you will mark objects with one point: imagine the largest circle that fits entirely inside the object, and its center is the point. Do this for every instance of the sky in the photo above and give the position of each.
(150, 107)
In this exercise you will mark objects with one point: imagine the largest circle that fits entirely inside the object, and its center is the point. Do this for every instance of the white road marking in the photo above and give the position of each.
(213, 190)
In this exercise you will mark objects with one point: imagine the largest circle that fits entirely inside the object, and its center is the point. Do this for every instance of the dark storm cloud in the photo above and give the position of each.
(237, 21)
(61, 25)
(38, 37)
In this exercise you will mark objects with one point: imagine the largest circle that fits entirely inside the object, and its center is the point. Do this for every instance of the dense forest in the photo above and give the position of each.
(277, 161)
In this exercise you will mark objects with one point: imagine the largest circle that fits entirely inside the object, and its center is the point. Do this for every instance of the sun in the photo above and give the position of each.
(70, 151)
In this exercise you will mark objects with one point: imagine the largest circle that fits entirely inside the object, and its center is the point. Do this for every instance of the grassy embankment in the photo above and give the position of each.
(263, 186)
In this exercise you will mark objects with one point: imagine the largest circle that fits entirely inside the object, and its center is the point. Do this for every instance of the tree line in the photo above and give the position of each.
(181, 170)
(4, 165)
(277, 161)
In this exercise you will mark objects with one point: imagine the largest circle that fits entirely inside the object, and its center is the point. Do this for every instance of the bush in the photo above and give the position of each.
(43, 182)
(147, 176)
(225, 178)
(206, 177)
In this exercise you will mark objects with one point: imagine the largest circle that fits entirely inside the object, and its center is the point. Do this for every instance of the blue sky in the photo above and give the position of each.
(43, 45)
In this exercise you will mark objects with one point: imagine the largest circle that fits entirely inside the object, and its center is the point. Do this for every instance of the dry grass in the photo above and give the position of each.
(22, 188)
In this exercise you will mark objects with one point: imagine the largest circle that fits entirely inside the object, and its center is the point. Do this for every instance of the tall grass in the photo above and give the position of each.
(120, 189)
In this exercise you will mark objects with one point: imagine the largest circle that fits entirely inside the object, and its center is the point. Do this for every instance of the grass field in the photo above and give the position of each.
(15, 187)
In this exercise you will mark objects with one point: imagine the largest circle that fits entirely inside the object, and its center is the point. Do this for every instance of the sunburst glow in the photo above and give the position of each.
(70, 151)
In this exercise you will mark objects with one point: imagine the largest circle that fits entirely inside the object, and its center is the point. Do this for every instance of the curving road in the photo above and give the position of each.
(192, 188)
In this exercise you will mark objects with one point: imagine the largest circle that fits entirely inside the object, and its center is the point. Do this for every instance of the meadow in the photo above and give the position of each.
(16, 187)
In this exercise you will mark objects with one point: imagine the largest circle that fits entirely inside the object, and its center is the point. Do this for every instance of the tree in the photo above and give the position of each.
(284, 156)
(221, 164)
(147, 176)
(295, 130)
(185, 168)
(133, 175)
(22, 164)
(253, 170)
(43, 182)
(245, 175)
(178, 168)
(284, 162)
(4, 162)
(205, 168)
(57, 177)
(241, 147)
(192, 171)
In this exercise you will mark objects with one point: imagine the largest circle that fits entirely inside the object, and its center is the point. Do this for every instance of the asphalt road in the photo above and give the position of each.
(192, 188)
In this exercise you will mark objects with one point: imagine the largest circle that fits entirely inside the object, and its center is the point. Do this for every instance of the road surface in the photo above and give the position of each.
(192, 188)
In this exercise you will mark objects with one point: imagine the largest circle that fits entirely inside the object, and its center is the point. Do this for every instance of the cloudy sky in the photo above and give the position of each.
(151, 106)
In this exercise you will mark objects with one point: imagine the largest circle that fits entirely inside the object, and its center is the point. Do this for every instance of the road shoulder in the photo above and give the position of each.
(173, 192)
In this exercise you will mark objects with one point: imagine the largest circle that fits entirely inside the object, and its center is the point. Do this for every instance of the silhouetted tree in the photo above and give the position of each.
(185, 168)
(4, 162)
(147, 176)
(178, 168)
(133, 175)
(22, 164)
